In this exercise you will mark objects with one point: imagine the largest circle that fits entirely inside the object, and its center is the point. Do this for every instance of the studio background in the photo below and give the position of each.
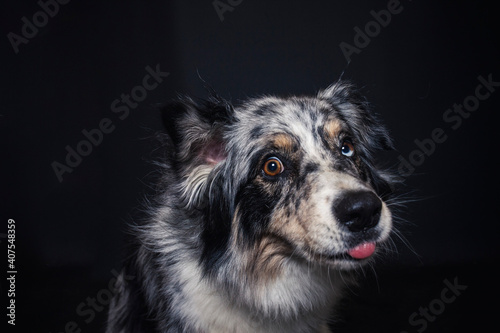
(64, 80)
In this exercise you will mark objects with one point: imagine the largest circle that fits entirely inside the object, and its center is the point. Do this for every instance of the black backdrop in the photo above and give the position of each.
(66, 70)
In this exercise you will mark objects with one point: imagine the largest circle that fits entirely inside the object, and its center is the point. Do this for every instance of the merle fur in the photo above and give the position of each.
(144, 304)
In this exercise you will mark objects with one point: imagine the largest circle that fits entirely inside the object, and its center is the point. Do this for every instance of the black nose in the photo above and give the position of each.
(358, 211)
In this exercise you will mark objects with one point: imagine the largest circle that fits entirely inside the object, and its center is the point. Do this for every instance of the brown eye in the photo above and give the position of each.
(347, 149)
(273, 167)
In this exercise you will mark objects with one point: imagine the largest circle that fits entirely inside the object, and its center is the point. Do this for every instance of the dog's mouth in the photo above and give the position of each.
(363, 251)
(358, 254)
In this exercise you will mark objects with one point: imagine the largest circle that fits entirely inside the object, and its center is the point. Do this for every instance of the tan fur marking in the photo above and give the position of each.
(332, 128)
(267, 258)
(264, 261)
(283, 142)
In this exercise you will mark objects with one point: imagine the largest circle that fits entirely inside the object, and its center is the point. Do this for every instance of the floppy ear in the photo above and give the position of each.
(197, 133)
(353, 108)
(196, 129)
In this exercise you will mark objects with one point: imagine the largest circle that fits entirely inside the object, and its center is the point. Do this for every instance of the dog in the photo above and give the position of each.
(263, 215)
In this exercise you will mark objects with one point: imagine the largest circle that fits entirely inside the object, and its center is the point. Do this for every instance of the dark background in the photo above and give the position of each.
(69, 234)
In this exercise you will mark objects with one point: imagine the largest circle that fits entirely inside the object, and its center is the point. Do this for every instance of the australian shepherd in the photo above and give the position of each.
(264, 211)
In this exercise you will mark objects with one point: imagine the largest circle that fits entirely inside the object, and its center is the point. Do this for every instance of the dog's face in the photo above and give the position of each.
(281, 179)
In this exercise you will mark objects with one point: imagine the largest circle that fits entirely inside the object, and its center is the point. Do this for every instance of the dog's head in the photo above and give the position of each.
(279, 179)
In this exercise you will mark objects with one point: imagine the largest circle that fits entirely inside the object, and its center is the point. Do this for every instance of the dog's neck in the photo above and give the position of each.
(302, 297)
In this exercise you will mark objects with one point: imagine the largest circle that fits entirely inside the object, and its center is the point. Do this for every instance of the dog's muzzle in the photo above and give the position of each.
(359, 212)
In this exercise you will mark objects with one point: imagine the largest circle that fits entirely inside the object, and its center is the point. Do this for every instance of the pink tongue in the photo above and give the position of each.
(362, 251)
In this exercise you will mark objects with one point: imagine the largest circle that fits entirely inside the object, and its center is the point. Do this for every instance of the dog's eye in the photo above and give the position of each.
(273, 167)
(347, 149)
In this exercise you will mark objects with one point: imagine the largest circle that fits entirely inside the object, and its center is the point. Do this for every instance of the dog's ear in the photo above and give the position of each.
(353, 108)
(197, 133)
(197, 129)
